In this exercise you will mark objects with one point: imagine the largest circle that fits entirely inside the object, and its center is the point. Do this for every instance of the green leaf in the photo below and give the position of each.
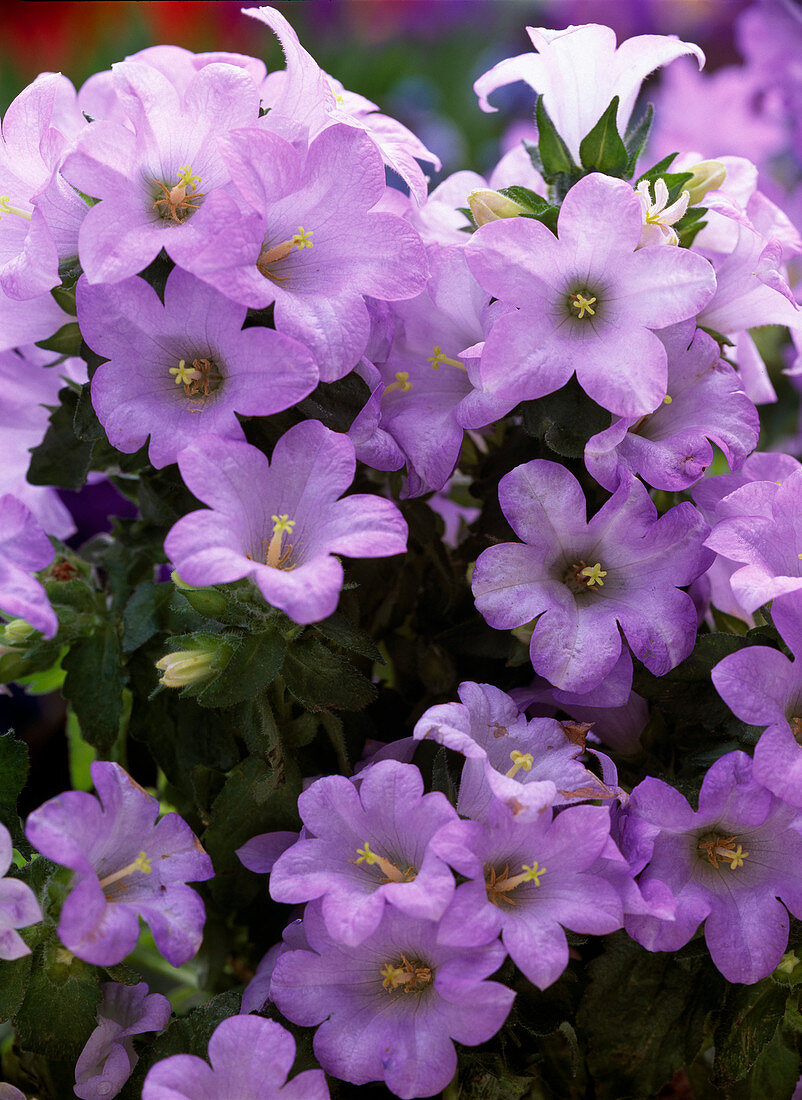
(144, 613)
(774, 1074)
(749, 1018)
(644, 1016)
(565, 420)
(65, 296)
(94, 685)
(602, 150)
(13, 774)
(554, 153)
(342, 632)
(85, 422)
(58, 1013)
(322, 680)
(535, 206)
(67, 341)
(61, 459)
(253, 665)
(635, 140)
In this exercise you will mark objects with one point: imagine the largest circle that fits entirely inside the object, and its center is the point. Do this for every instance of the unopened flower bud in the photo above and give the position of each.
(17, 631)
(489, 206)
(185, 666)
(706, 176)
(204, 600)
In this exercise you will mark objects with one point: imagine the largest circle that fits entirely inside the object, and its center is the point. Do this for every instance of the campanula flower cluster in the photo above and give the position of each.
(452, 623)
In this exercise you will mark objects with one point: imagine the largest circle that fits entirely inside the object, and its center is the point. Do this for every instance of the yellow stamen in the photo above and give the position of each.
(141, 863)
(391, 872)
(499, 885)
(594, 573)
(667, 400)
(402, 382)
(275, 557)
(718, 847)
(184, 374)
(438, 356)
(7, 208)
(520, 760)
(303, 238)
(409, 976)
(185, 177)
(583, 304)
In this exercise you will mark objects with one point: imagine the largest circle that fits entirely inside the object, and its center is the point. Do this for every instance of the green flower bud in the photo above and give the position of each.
(489, 206)
(186, 666)
(17, 631)
(706, 176)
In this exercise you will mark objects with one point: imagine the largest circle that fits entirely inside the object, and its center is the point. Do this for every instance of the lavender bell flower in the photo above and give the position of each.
(9, 1092)
(109, 1058)
(280, 522)
(588, 301)
(528, 882)
(250, 1059)
(733, 864)
(761, 686)
(24, 548)
(18, 905)
(583, 579)
(389, 1008)
(178, 370)
(126, 866)
(366, 848)
(671, 447)
(527, 765)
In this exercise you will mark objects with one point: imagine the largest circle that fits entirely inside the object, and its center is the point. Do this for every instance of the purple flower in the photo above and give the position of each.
(307, 240)
(670, 448)
(578, 71)
(529, 881)
(126, 866)
(766, 537)
(109, 1058)
(389, 1009)
(181, 369)
(280, 522)
(9, 1092)
(727, 865)
(588, 301)
(527, 765)
(24, 548)
(761, 686)
(154, 173)
(25, 322)
(583, 579)
(250, 1059)
(365, 848)
(18, 905)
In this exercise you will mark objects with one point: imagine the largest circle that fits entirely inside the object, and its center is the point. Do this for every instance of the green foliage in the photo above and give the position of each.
(13, 773)
(94, 684)
(602, 150)
(322, 680)
(565, 420)
(61, 459)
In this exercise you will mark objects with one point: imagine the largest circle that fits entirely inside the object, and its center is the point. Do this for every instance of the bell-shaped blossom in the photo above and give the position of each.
(588, 302)
(763, 687)
(18, 905)
(582, 580)
(126, 866)
(280, 522)
(527, 765)
(578, 70)
(671, 447)
(30, 382)
(766, 537)
(109, 1058)
(25, 322)
(183, 368)
(390, 1009)
(307, 239)
(250, 1058)
(366, 848)
(733, 864)
(9, 1092)
(155, 176)
(24, 549)
(40, 214)
(257, 992)
(529, 881)
(433, 365)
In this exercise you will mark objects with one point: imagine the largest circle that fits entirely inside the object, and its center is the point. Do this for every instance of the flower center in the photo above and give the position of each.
(402, 382)
(413, 976)
(581, 576)
(140, 864)
(391, 871)
(7, 208)
(200, 380)
(268, 256)
(175, 204)
(583, 303)
(716, 846)
(499, 884)
(278, 555)
(796, 728)
(438, 357)
(520, 760)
